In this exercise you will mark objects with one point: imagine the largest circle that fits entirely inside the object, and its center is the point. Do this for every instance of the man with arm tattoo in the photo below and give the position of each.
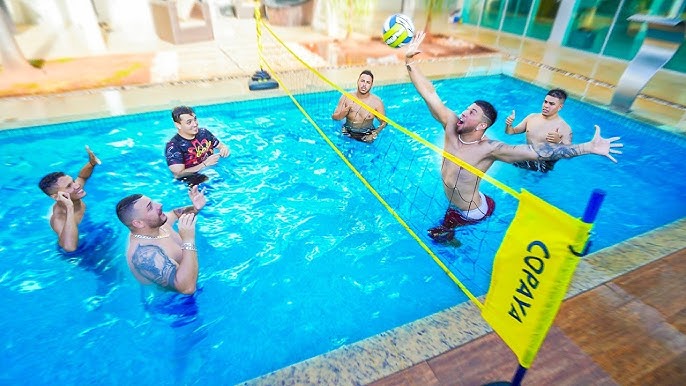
(465, 138)
(157, 254)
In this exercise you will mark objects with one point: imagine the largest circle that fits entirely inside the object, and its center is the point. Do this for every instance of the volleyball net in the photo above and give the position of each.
(525, 274)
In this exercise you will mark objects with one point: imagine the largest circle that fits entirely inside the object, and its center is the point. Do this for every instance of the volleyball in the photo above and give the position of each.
(398, 30)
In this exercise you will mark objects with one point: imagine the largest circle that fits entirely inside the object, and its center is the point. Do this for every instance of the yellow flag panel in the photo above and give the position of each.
(531, 272)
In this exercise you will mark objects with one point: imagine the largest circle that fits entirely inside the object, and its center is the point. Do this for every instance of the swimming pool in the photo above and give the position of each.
(296, 257)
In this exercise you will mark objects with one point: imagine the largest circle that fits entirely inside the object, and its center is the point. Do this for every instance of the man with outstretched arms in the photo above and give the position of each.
(465, 138)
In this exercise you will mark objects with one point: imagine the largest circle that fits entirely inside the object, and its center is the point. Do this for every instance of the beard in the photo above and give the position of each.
(158, 222)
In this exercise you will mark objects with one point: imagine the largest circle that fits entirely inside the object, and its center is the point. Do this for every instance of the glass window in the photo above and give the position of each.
(543, 21)
(472, 11)
(592, 24)
(516, 13)
(492, 12)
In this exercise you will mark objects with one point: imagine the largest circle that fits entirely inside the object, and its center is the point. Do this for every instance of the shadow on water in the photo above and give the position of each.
(97, 253)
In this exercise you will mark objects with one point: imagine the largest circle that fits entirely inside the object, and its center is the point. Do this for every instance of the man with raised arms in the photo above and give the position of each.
(69, 208)
(465, 138)
(157, 254)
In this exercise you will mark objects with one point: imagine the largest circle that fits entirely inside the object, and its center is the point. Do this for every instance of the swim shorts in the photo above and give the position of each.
(357, 133)
(455, 217)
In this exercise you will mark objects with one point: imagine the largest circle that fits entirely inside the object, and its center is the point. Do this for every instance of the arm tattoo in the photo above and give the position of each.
(188, 209)
(153, 264)
(550, 152)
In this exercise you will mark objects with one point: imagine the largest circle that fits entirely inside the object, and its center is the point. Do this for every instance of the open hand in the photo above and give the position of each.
(92, 158)
(605, 146)
(413, 47)
(197, 197)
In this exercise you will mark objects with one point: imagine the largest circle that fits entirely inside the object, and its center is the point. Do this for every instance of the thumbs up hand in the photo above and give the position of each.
(510, 119)
(554, 136)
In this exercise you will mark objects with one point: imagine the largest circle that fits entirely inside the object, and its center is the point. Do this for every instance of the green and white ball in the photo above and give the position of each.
(398, 30)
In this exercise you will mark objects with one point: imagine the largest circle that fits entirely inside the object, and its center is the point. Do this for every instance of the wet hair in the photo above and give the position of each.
(367, 72)
(125, 208)
(489, 111)
(180, 110)
(558, 93)
(48, 182)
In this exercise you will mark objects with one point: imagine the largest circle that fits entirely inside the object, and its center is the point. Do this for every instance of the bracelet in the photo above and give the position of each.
(188, 247)
(560, 141)
(91, 164)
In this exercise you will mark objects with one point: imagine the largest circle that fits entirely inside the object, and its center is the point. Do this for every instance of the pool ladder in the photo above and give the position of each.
(663, 38)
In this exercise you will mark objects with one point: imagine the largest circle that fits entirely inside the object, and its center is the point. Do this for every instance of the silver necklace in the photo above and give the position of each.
(459, 137)
(163, 234)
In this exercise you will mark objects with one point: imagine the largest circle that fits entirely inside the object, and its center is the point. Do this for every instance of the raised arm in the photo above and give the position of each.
(87, 169)
(548, 151)
(520, 128)
(423, 85)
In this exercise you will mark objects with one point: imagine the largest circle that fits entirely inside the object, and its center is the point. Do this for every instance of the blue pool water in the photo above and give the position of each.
(296, 257)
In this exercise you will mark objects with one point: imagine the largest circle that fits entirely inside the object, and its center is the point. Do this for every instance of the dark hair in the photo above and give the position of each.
(46, 183)
(180, 110)
(489, 111)
(367, 72)
(125, 206)
(558, 93)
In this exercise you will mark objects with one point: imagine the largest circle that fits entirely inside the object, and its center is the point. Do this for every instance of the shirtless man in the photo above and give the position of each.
(157, 254)
(465, 138)
(359, 123)
(69, 207)
(546, 126)
(192, 149)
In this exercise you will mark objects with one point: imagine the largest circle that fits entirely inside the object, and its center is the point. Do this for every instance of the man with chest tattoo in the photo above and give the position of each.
(546, 126)
(157, 254)
(465, 139)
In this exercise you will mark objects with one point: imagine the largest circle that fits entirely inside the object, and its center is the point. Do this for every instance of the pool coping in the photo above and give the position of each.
(400, 348)
(125, 100)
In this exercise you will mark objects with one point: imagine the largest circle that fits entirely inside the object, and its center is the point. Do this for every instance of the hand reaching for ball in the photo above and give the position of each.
(413, 48)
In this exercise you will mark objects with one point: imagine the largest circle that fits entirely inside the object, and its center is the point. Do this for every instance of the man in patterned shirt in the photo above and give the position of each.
(192, 149)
